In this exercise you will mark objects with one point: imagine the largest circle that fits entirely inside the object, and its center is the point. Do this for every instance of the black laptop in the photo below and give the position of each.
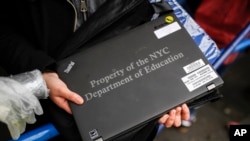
(136, 77)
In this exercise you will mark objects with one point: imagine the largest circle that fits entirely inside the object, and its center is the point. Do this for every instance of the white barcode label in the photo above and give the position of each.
(193, 66)
(199, 77)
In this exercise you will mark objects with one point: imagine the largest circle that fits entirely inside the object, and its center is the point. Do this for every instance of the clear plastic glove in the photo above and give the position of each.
(33, 80)
(19, 100)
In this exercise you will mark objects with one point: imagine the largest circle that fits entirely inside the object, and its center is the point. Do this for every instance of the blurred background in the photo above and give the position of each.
(227, 23)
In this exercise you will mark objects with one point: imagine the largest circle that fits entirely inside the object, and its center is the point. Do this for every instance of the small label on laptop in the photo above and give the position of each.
(93, 134)
(194, 66)
(199, 77)
(166, 30)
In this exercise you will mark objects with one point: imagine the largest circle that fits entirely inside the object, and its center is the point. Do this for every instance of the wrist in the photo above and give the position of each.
(34, 82)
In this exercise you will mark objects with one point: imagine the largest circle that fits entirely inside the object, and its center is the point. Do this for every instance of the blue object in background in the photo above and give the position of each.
(42, 133)
(233, 47)
(181, 2)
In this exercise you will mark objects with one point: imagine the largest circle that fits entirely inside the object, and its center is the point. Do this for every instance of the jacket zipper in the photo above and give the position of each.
(75, 22)
(84, 9)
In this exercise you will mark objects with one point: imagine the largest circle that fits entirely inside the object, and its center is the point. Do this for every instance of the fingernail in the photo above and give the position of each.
(173, 111)
(79, 100)
(178, 109)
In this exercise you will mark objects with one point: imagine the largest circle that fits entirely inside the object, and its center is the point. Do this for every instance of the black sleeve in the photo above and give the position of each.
(18, 55)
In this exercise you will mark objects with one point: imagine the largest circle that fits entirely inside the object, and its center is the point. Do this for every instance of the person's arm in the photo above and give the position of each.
(17, 52)
(22, 57)
(19, 102)
(18, 55)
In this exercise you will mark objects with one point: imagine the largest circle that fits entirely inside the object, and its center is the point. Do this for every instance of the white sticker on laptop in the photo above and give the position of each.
(166, 30)
(193, 66)
(199, 77)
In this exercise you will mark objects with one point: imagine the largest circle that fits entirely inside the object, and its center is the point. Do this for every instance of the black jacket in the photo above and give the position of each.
(36, 33)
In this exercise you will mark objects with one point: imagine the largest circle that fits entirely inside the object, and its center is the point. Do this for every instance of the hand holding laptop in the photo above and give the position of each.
(59, 92)
(174, 117)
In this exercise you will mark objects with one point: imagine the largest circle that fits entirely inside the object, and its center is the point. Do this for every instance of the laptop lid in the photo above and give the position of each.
(136, 77)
